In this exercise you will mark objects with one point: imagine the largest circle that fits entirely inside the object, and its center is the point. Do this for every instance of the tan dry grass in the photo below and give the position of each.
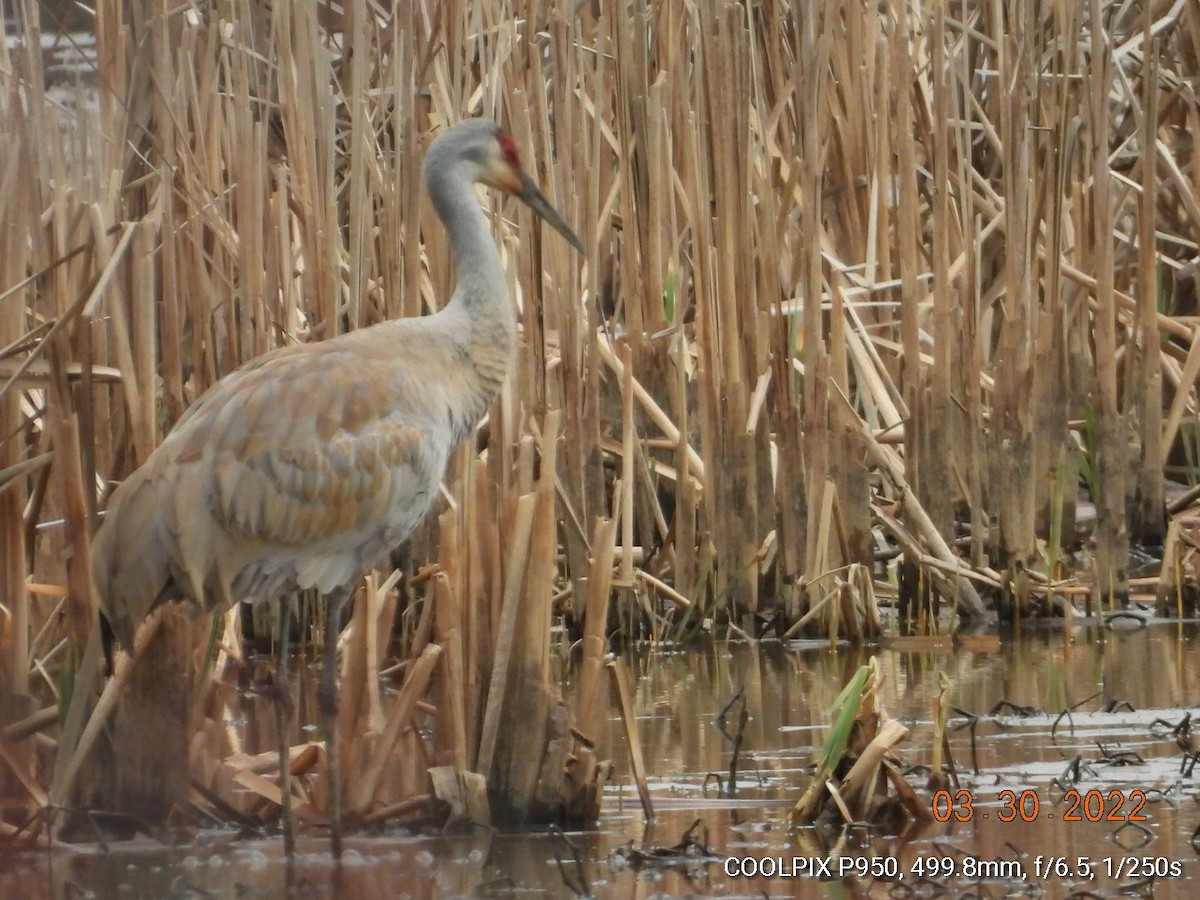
(813, 231)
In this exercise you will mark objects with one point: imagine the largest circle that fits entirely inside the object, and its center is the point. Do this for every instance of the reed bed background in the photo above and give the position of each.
(860, 277)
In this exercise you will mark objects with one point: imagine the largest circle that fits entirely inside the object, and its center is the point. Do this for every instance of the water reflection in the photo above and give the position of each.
(1142, 674)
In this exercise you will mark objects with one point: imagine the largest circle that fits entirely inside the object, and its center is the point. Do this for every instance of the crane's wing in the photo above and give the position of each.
(315, 491)
(318, 445)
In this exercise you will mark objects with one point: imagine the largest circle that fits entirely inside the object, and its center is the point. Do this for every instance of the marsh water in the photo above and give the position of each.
(1127, 690)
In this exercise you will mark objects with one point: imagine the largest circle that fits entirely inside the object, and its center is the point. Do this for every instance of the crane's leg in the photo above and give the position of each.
(283, 723)
(327, 698)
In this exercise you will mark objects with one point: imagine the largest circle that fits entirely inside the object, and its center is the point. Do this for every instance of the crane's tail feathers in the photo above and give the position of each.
(130, 565)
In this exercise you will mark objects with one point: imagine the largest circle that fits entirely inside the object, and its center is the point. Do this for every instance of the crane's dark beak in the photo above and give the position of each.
(536, 200)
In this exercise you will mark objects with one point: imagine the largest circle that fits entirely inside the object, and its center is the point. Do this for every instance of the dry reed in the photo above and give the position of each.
(858, 274)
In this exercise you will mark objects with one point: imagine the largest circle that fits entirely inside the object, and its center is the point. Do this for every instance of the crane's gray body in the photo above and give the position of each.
(306, 466)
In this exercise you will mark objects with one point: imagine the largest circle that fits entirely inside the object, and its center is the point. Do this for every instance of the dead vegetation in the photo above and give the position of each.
(862, 279)
(858, 777)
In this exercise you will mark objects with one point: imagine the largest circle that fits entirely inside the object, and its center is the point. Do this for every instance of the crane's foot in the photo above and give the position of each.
(327, 700)
(281, 697)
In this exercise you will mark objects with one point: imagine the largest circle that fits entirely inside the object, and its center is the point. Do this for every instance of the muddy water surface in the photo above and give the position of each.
(1013, 826)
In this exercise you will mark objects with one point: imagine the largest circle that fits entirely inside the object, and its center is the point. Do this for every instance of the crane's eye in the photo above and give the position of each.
(509, 148)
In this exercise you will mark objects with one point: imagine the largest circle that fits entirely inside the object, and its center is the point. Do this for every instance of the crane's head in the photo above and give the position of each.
(492, 154)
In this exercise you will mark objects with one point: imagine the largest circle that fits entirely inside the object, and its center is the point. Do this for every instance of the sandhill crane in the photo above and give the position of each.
(304, 467)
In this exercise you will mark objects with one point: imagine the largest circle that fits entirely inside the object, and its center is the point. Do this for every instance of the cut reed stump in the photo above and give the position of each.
(139, 773)
(527, 747)
(857, 778)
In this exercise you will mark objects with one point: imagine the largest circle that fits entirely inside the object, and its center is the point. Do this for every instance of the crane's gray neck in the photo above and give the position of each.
(480, 274)
(480, 299)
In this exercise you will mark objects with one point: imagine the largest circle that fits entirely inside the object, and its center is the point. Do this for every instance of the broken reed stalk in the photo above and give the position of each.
(1144, 397)
(620, 677)
(584, 776)
(364, 644)
(415, 683)
(510, 610)
(922, 217)
(595, 644)
(1112, 445)
(18, 202)
(452, 687)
